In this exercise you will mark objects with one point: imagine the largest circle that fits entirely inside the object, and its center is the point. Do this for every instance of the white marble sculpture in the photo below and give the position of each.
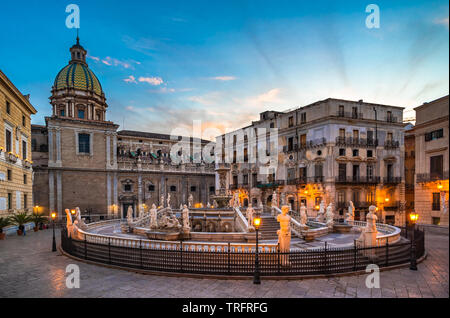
(153, 217)
(169, 222)
(321, 213)
(168, 200)
(215, 204)
(444, 203)
(185, 215)
(351, 212)
(69, 223)
(274, 199)
(130, 215)
(283, 198)
(303, 214)
(250, 216)
(330, 216)
(161, 200)
(208, 205)
(368, 235)
(284, 233)
(236, 200)
(190, 201)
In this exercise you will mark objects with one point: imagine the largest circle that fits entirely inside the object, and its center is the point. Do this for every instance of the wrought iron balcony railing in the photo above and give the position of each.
(356, 142)
(391, 144)
(313, 144)
(430, 177)
(358, 179)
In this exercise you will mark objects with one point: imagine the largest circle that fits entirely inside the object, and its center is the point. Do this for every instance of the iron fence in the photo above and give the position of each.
(325, 260)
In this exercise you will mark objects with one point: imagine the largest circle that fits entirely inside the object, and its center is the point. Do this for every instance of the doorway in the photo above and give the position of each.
(125, 209)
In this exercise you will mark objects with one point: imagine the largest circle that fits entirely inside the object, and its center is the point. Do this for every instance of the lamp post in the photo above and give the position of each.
(413, 218)
(53, 216)
(256, 224)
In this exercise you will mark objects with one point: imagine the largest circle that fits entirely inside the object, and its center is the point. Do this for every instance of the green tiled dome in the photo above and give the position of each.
(78, 76)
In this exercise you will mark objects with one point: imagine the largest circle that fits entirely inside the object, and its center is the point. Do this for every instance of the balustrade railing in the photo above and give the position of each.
(356, 142)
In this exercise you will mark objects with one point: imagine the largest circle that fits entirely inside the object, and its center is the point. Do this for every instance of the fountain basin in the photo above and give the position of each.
(342, 228)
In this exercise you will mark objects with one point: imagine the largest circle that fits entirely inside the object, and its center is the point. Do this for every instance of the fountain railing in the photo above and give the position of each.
(241, 219)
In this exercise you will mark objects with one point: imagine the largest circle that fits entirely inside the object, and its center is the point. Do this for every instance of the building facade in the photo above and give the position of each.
(335, 150)
(432, 162)
(16, 172)
(82, 160)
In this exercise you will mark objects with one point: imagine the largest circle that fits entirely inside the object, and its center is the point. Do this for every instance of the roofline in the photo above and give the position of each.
(124, 133)
(433, 101)
(17, 92)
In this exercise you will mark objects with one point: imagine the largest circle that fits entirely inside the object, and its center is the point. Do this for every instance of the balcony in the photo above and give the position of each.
(356, 142)
(313, 144)
(392, 180)
(392, 205)
(287, 149)
(357, 180)
(351, 115)
(233, 186)
(261, 184)
(391, 144)
(391, 119)
(431, 177)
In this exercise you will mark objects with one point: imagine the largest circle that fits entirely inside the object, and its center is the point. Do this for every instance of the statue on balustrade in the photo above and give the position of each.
(351, 212)
(321, 213)
(250, 217)
(215, 204)
(190, 201)
(236, 200)
(330, 216)
(208, 205)
(153, 217)
(69, 224)
(284, 233)
(185, 216)
(369, 233)
(79, 221)
(303, 214)
(130, 215)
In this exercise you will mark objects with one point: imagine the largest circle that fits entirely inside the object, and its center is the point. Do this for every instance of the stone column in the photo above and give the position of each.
(59, 194)
(50, 145)
(115, 196)
(51, 191)
(58, 146)
(108, 193)
(114, 150)
(108, 150)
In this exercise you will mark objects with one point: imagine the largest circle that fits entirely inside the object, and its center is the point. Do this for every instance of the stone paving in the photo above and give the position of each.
(28, 268)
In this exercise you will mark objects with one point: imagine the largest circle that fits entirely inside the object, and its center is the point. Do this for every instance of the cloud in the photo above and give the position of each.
(443, 21)
(130, 79)
(223, 78)
(93, 58)
(115, 62)
(271, 96)
(155, 81)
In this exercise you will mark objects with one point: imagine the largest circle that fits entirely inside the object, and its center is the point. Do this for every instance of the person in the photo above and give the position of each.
(22, 228)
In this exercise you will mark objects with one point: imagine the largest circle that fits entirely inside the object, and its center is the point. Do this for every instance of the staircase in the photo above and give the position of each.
(269, 228)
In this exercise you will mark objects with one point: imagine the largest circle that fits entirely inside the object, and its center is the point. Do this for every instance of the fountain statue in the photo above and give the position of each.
(153, 217)
(369, 233)
(284, 233)
(250, 216)
(236, 200)
(190, 200)
(185, 216)
(130, 215)
(351, 212)
(330, 216)
(69, 224)
(274, 199)
(320, 214)
(215, 204)
(208, 205)
(303, 215)
(161, 200)
(168, 200)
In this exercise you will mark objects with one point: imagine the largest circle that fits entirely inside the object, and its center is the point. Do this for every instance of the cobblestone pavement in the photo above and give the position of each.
(28, 268)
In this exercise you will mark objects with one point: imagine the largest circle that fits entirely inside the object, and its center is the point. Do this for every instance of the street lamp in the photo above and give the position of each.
(53, 216)
(72, 212)
(413, 217)
(256, 224)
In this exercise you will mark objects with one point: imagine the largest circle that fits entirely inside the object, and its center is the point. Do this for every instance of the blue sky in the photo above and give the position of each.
(163, 64)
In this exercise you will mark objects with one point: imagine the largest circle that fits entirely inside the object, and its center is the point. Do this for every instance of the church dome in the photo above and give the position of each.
(78, 76)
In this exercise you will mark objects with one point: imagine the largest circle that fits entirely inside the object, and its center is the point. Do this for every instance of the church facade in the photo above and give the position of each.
(82, 160)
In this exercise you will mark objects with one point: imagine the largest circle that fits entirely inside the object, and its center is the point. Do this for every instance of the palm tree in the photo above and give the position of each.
(4, 222)
(38, 219)
(20, 219)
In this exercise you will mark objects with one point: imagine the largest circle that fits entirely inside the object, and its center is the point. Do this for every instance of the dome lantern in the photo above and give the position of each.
(78, 53)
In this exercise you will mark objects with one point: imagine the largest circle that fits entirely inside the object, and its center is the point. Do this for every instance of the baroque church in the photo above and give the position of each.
(80, 159)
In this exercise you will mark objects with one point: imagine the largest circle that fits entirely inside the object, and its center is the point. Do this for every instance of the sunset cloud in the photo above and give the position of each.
(130, 79)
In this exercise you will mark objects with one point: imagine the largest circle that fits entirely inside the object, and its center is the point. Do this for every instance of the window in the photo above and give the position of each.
(25, 180)
(341, 196)
(436, 220)
(151, 187)
(8, 136)
(303, 140)
(342, 132)
(436, 206)
(341, 110)
(23, 121)
(272, 125)
(245, 155)
(245, 182)
(302, 172)
(291, 121)
(193, 189)
(355, 152)
(355, 134)
(436, 167)
(389, 116)
(8, 108)
(355, 172)
(369, 153)
(24, 149)
(318, 169)
(173, 188)
(341, 152)
(10, 201)
(342, 171)
(84, 144)
(290, 143)
(235, 180)
(254, 179)
(434, 135)
(370, 137)
(212, 189)
(369, 172)
(9, 173)
(389, 136)
(390, 171)
(81, 113)
(127, 188)
(355, 112)
(370, 197)
(303, 118)
(25, 199)
(62, 113)
(33, 145)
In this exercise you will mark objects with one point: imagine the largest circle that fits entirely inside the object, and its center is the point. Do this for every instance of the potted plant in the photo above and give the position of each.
(20, 219)
(38, 221)
(4, 222)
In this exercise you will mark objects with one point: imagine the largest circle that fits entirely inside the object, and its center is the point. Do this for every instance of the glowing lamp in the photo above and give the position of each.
(413, 217)
(317, 207)
(387, 199)
(306, 191)
(72, 212)
(53, 215)
(439, 186)
(256, 222)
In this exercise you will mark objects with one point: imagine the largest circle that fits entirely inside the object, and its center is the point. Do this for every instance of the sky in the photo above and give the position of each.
(164, 64)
